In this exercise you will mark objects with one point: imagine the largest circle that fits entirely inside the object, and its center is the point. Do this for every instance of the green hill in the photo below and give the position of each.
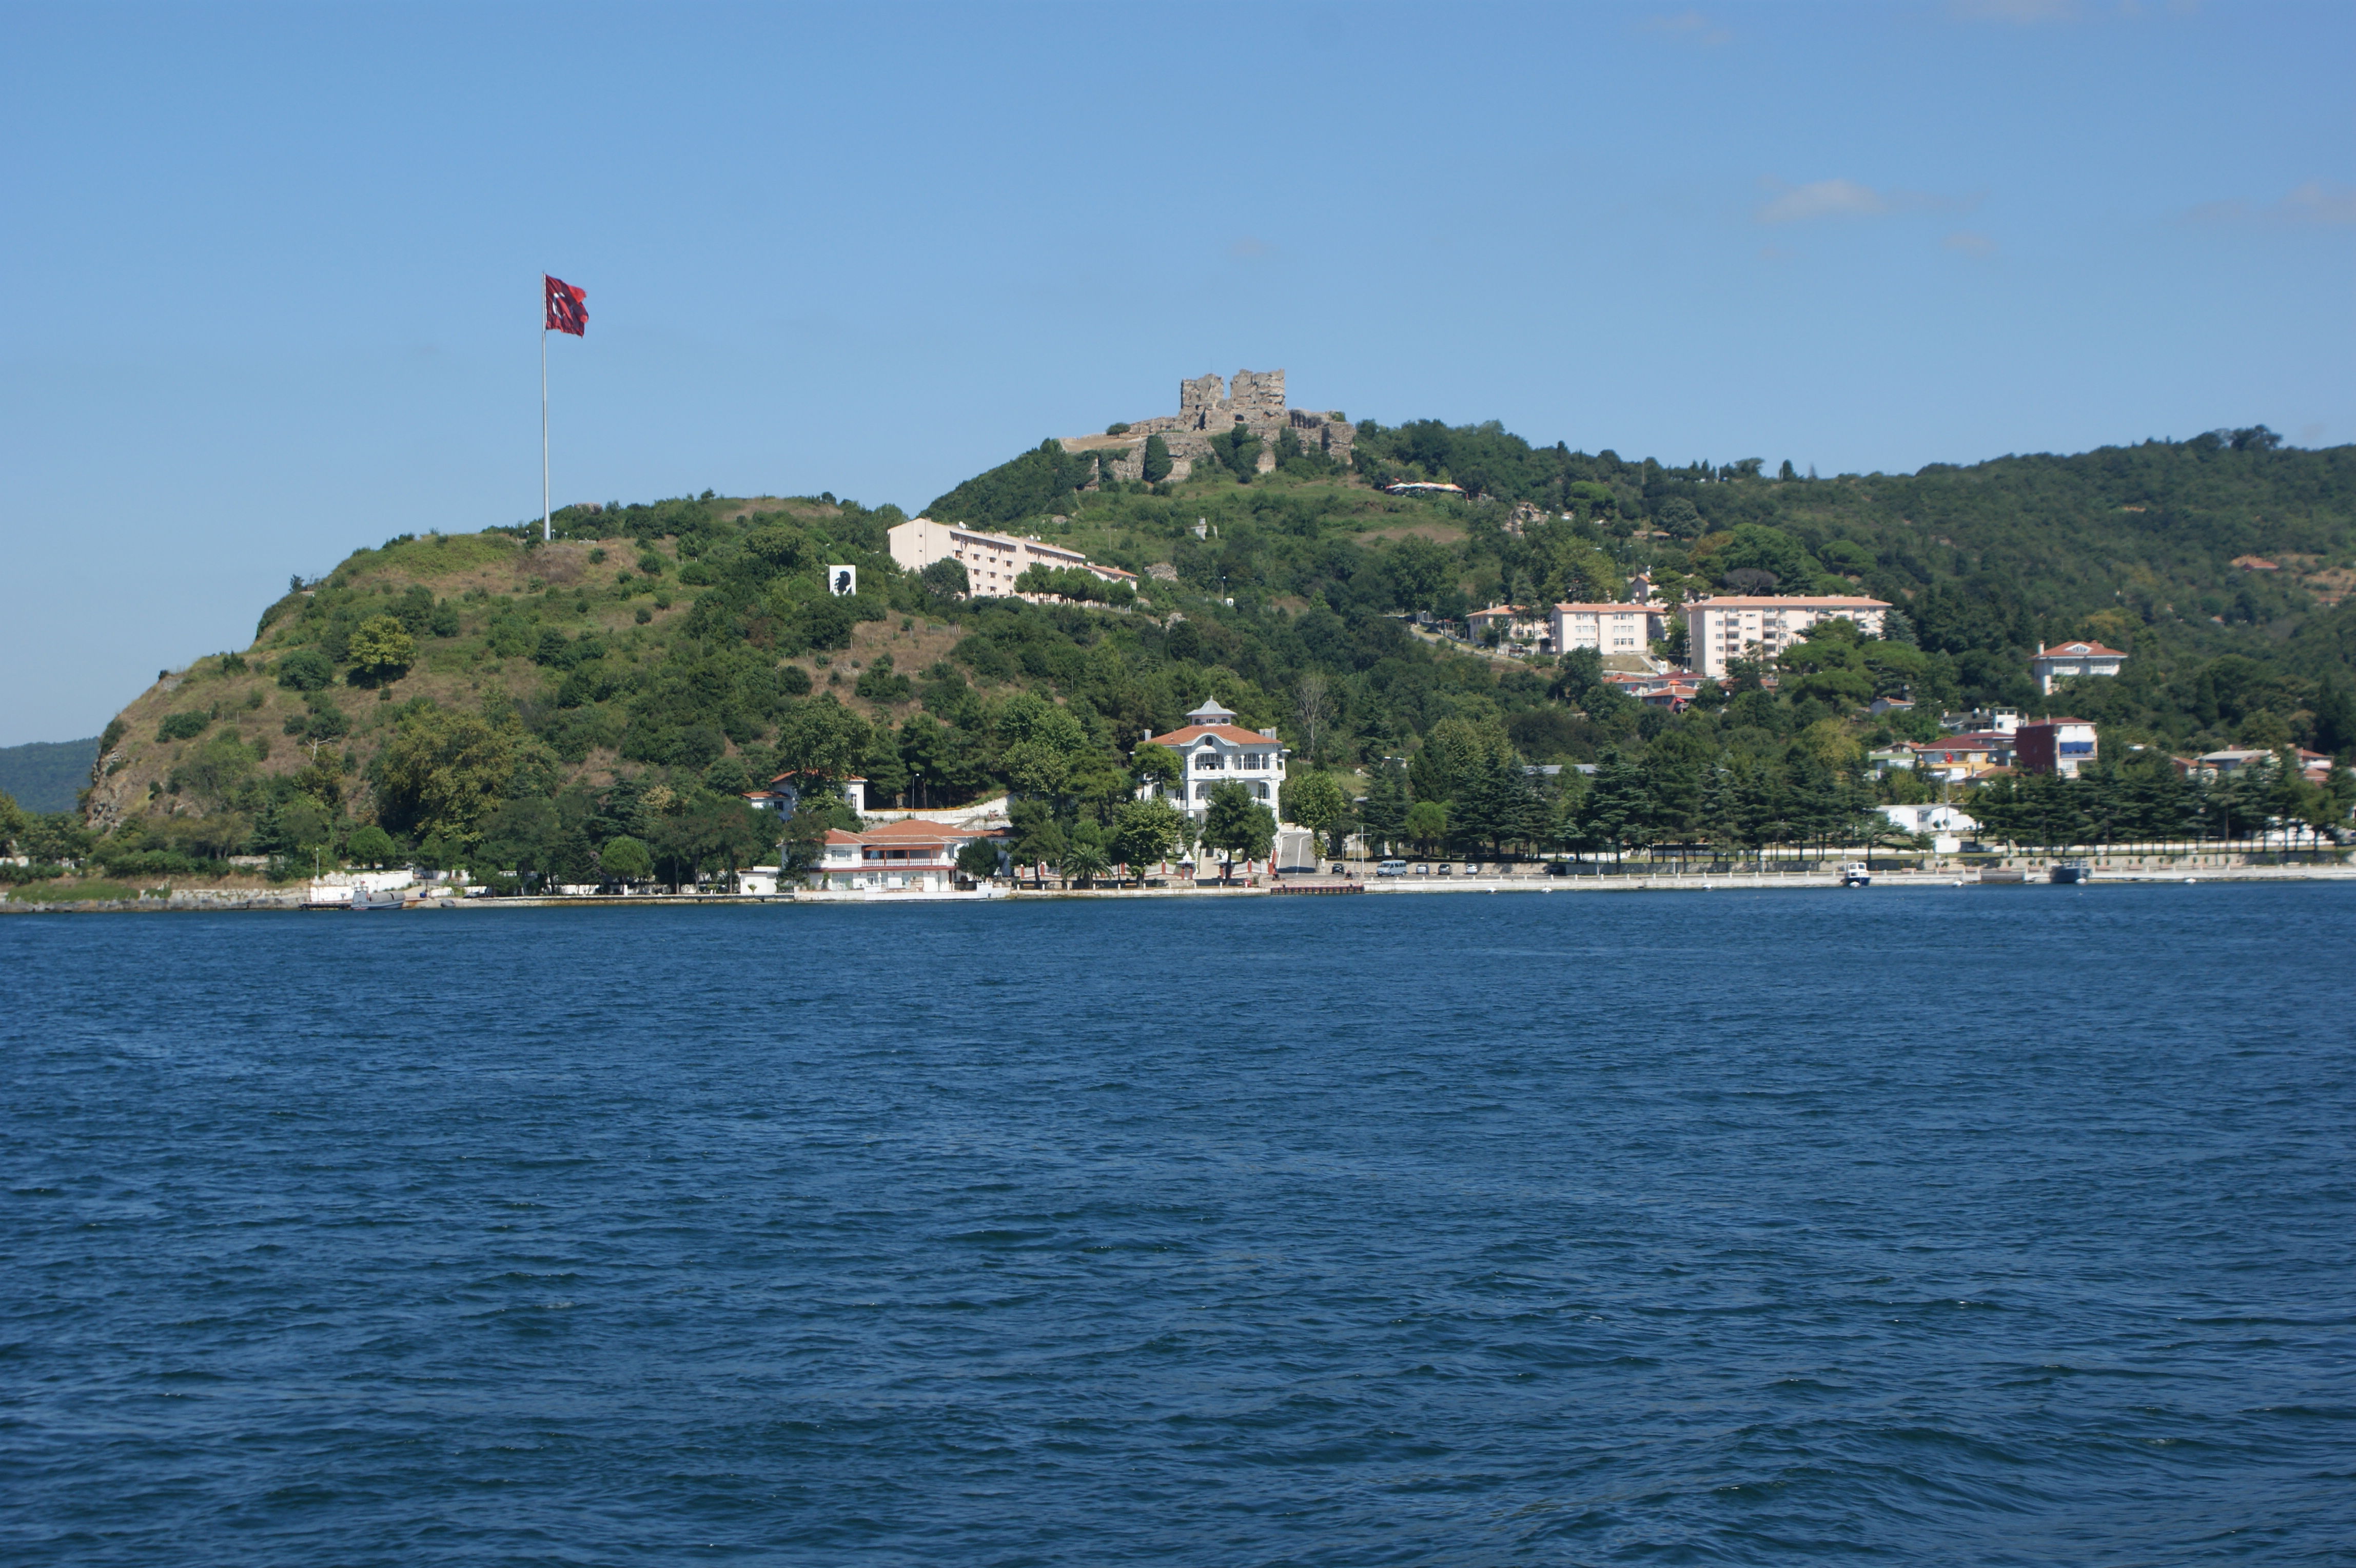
(44, 775)
(486, 698)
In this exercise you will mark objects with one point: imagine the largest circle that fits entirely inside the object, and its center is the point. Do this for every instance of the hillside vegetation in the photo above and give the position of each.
(486, 699)
(46, 775)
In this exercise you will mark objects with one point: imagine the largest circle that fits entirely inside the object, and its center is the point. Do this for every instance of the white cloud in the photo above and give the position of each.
(1248, 249)
(1823, 199)
(1971, 244)
(2021, 13)
(1689, 28)
(2316, 202)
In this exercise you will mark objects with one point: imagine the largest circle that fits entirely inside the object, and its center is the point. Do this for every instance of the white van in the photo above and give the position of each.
(1391, 868)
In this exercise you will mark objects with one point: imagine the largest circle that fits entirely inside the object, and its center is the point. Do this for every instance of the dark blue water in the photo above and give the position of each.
(1979, 1226)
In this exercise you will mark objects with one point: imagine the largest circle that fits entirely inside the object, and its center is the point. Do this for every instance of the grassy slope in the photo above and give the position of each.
(552, 580)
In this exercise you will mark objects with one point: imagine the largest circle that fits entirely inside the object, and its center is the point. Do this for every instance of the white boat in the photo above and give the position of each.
(1856, 873)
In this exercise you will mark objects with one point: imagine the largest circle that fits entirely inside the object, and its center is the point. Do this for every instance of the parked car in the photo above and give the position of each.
(1423, 871)
(1337, 869)
(1391, 868)
(1447, 868)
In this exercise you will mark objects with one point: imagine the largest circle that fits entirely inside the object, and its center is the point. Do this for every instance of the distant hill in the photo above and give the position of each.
(44, 775)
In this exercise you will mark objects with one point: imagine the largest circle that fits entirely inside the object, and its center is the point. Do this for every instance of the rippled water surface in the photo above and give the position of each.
(1976, 1226)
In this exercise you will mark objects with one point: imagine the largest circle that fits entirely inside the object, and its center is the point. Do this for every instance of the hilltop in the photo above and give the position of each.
(486, 697)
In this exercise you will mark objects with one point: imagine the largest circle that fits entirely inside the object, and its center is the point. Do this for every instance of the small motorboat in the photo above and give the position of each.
(2073, 871)
(1856, 873)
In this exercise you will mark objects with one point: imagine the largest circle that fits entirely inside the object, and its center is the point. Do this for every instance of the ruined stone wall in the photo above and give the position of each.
(1208, 407)
(1258, 401)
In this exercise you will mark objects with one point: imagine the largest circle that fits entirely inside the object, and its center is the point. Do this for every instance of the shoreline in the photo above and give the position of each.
(200, 900)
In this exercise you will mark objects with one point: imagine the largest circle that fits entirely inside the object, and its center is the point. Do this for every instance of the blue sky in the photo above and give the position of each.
(271, 273)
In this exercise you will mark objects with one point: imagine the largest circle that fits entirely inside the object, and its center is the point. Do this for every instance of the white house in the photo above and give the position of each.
(1929, 818)
(782, 794)
(2064, 660)
(1722, 629)
(1212, 750)
(1945, 825)
(912, 855)
(1514, 623)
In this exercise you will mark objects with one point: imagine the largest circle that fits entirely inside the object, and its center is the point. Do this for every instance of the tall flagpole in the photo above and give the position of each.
(543, 417)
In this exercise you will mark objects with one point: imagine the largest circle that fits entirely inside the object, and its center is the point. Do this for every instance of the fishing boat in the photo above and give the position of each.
(2070, 871)
(1856, 873)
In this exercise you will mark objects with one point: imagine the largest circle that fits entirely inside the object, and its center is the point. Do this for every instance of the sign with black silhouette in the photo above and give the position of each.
(841, 581)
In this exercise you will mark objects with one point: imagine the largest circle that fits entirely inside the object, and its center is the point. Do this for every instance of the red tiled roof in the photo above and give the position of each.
(2081, 650)
(1194, 732)
(1800, 601)
(914, 830)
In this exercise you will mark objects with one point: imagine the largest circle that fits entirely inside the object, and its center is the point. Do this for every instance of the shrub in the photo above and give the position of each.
(945, 578)
(794, 680)
(828, 623)
(381, 650)
(371, 844)
(696, 574)
(644, 614)
(183, 726)
(305, 670)
(878, 684)
(626, 859)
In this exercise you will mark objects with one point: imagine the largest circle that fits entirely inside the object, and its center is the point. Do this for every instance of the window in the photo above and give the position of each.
(1208, 761)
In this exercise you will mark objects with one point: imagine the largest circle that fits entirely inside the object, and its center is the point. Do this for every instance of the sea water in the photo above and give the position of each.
(1966, 1226)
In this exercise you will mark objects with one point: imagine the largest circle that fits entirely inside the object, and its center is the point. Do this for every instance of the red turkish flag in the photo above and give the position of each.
(566, 313)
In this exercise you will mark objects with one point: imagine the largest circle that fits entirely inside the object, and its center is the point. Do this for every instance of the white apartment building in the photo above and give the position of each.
(1211, 751)
(992, 560)
(1722, 629)
(1607, 629)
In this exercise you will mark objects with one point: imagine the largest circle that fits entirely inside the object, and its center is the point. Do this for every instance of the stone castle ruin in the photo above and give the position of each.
(1208, 407)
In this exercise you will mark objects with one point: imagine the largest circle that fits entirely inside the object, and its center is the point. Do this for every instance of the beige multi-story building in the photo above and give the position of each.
(1722, 629)
(1607, 629)
(991, 561)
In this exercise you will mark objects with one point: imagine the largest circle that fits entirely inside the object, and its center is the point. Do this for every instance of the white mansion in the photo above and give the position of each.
(1211, 751)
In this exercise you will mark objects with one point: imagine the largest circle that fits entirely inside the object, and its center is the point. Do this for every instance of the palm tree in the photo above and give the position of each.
(1084, 860)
